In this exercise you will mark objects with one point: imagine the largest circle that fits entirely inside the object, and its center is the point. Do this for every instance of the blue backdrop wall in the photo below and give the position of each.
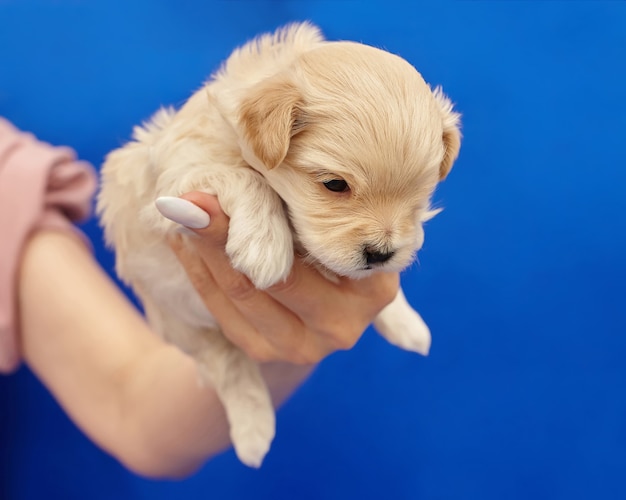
(522, 277)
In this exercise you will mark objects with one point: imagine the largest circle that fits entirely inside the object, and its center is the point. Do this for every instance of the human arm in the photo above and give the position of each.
(138, 397)
(131, 393)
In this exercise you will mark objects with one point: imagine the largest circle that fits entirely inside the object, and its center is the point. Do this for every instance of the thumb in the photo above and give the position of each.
(198, 212)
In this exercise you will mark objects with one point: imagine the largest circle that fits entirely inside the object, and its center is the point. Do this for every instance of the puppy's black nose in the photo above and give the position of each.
(376, 257)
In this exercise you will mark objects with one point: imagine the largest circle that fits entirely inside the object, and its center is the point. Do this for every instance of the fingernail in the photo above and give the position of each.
(182, 212)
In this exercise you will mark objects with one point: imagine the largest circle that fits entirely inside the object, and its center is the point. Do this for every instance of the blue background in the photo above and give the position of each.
(522, 277)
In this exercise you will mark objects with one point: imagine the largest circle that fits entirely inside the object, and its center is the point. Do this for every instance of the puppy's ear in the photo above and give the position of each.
(270, 117)
(451, 132)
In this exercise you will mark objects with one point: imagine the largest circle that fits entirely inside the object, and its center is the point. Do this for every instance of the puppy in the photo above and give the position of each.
(334, 147)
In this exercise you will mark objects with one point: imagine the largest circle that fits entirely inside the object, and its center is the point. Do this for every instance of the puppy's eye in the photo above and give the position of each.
(337, 185)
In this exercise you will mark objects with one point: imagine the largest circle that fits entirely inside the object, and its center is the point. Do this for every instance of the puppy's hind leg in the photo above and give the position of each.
(235, 377)
(402, 326)
(245, 396)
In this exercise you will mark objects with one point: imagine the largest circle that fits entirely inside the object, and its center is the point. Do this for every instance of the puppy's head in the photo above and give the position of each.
(354, 141)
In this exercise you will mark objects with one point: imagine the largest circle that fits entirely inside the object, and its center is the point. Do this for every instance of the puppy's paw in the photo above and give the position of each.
(408, 332)
(252, 439)
(263, 252)
(402, 326)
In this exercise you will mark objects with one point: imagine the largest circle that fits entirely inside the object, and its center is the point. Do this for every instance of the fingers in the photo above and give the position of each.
(215, 232)
(234, 326)
(379, 288)
(306, 292)
(301, 320)
(317, 300)
(182, 211)
(237, 305)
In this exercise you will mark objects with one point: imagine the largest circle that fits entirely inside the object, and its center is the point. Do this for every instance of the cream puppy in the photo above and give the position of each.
(332, 147)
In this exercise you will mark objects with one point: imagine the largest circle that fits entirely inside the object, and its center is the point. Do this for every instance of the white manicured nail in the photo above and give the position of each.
(182, 212)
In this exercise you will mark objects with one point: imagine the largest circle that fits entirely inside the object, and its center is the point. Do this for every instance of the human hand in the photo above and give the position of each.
(301, 320)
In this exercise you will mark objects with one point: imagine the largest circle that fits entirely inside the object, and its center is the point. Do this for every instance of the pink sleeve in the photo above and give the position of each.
(41, 186)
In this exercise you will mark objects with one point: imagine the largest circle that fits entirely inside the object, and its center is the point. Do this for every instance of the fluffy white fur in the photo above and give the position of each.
(287, 113)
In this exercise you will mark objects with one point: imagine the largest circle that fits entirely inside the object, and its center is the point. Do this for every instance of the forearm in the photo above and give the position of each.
(134, 395)
(181, 423)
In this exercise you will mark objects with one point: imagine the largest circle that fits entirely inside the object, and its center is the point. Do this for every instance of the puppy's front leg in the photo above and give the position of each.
(260, 243)
(402, 326)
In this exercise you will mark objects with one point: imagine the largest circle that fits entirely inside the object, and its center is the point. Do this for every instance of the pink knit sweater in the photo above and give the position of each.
(41, 186)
